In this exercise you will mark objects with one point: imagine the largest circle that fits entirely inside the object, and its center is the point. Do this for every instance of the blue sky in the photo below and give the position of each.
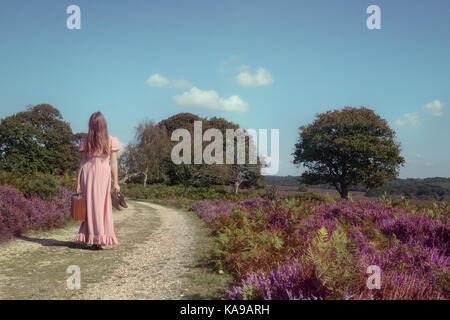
(262, 64)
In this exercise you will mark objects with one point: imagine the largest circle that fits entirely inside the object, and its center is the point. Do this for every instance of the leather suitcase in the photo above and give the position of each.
(78, 207)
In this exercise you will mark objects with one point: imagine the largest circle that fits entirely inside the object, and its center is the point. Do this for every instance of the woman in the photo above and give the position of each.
(94, 181)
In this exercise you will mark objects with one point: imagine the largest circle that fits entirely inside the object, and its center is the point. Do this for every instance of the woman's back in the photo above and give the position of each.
(113, 146)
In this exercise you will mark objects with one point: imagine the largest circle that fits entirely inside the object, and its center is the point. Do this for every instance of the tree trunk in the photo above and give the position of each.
(236, 188)
(145, 176)
(127, 176)
(185, 190)
(344, 191)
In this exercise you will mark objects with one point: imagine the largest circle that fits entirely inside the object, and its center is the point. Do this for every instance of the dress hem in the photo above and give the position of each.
(103, 239)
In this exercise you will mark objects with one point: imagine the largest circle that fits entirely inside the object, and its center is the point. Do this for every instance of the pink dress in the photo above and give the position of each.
(95, 183)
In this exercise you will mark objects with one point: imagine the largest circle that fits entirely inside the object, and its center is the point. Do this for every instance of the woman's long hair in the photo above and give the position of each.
(98, 137)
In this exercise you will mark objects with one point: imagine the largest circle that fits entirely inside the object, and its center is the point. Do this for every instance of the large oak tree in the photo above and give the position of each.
(348, 147)
(37, 140)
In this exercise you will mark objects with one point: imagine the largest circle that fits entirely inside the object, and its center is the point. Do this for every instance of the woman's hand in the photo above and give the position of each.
(78, 189)
(116, 187)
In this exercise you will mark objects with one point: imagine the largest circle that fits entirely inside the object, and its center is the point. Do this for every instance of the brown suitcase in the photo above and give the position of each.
(78, 207)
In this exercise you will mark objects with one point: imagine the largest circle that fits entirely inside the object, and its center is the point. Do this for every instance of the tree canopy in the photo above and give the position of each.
(150, 154)
(347, 147)
(37, 140)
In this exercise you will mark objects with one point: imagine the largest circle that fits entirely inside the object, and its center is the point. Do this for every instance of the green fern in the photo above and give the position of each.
(333, 260)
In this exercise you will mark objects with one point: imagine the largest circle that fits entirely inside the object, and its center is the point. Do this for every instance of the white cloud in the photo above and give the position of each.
(157, 80)
(429, 164)
(435, 108)
(262, 77)
(210, 100)
(411, 119)
(181, 83)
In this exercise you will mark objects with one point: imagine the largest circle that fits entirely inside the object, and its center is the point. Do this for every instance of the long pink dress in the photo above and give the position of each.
(95, 183)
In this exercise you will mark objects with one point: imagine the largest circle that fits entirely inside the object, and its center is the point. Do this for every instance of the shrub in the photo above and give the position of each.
(18, 214)
(290, 281)
(69, 180)
(16, 180)
(164, 192)
(294, 249)
(45, 186)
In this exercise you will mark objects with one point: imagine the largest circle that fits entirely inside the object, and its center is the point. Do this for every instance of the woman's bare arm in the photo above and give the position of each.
(115, 172)
(83, 159)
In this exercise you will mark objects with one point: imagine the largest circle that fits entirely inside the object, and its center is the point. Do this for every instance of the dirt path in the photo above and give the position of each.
(160, 255)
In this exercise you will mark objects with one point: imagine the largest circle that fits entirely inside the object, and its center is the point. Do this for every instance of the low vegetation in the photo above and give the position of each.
(19, 214)
(295, 249)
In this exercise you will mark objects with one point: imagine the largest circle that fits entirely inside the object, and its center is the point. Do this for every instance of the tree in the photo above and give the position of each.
(348, 147)
(185, 174)
(128, 163)
(241, 173)
(37, 140)
(207, 174)
(152, 147)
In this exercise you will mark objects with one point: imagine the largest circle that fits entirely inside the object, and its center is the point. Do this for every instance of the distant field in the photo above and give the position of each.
(356, 195)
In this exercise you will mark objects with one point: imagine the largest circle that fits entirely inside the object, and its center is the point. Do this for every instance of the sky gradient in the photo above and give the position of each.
(261, 64)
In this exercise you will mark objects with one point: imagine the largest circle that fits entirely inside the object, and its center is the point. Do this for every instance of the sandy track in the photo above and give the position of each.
(154, 269)
(157, 258)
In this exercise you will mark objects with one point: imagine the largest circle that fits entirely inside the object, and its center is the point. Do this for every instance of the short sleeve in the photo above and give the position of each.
(115, 145)
(82, 145)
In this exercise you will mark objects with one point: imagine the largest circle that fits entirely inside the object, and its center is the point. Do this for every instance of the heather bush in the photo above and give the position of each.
(290, 281)
(208, 209)
(18, 214)
(294, 249)
(252, 234)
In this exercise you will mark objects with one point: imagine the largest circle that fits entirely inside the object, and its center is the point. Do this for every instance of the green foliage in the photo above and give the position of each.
(439, 211)
(45, 186)
(244, 244)
(252, 293)
(175, 192)
(271, 193)
(386, 199)
(149, 157)
(15, 179)
(69, 180)
(334, 262)
(309, 197)
(348, 147)
(20, 181)
(37, 140)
